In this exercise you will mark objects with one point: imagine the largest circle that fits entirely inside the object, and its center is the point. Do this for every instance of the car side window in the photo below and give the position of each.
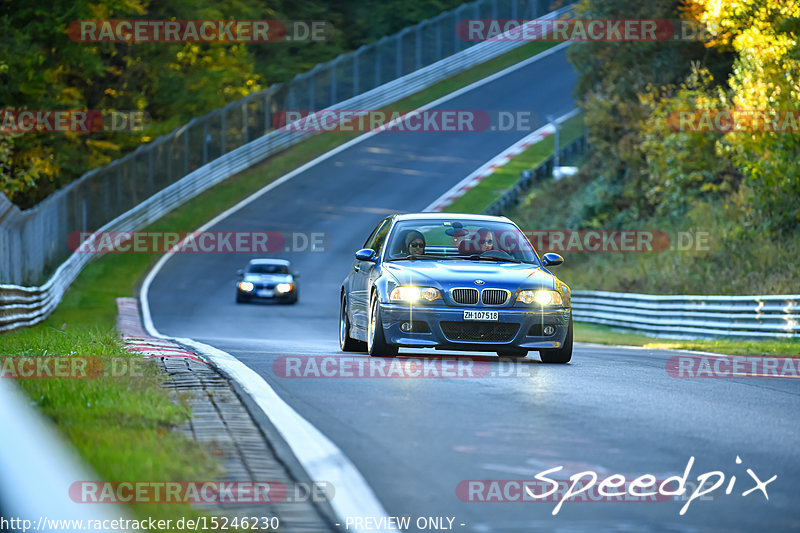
(378, 237)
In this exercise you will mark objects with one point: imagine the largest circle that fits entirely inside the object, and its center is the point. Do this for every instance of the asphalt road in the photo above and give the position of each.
(612, 410)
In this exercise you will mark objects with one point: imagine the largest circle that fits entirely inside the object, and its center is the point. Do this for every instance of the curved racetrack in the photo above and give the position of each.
(612, 410)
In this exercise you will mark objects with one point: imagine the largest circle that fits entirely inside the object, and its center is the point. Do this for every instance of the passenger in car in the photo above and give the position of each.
(478, 242)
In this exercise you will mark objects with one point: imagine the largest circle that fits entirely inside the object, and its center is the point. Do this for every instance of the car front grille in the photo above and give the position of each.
(479, 331)
(465, 296)
(494, 296)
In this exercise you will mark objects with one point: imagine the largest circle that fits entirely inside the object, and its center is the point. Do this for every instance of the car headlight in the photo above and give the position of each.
(414, 294)
(283, 287)
(246, 286)
(541, 297)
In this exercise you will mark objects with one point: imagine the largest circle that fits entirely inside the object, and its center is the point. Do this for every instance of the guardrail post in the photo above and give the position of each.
(378, 65)
(399, 59)
(419, 45)
(438, 41)
(151, 171)
(246, 132)
(267, 112)
(206, 140)
(355, 71)
(333, 80)
(312, 89)
(185, 152)
(222, 142)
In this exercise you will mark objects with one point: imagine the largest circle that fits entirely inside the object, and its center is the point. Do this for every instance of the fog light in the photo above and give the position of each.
(549, 330)
(406, 326)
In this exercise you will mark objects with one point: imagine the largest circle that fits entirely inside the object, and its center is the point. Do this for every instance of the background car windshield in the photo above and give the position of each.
(454, 238)
(267, 269)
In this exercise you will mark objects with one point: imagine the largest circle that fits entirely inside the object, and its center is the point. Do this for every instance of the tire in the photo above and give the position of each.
(346, 342)
(241, 299)
(518, 353)
(376, 342)
(559, 355)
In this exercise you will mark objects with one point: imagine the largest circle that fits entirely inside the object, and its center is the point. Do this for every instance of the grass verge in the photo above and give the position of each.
(121, 425)
(586, 332)
(504, 178)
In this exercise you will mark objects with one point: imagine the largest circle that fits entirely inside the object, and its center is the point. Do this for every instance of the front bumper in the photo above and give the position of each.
(521, 327)
(256, 294)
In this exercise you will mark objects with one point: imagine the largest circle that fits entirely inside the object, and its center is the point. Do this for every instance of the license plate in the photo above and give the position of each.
(489, 316)
(266, 293)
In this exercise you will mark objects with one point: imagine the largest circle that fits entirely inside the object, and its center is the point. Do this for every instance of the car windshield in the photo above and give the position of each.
(267, 269)
(456, 239)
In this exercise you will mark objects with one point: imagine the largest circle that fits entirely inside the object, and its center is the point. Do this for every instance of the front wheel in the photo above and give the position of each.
(559, 355)
(376, 341)
(346, 342)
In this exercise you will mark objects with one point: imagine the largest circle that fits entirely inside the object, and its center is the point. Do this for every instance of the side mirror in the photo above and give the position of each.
(367, 254)
(551, 259)
(295, 274)
(240, 272)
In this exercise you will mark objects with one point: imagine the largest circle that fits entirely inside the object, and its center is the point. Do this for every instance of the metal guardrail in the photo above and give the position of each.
(35, 240)
(692, 316)
(24, 306)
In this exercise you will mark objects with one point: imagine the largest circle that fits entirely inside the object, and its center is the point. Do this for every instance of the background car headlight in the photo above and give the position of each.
(283, 287)
(414, 294)
(541, 297)
(246, 286)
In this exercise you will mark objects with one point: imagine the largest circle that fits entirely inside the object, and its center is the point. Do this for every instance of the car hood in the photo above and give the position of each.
(451, 273)
(268, 278)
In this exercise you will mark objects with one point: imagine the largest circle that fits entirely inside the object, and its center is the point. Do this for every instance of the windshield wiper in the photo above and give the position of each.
(418, 256)
(490, 258)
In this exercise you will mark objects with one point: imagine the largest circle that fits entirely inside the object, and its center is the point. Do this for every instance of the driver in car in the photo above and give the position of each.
(479, 242)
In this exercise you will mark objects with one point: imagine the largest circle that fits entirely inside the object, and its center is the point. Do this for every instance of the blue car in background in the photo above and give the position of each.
(455, 282)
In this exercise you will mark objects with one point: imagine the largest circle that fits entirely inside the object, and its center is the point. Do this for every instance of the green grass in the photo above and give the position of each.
(585, 332)
(121, 425)
(119, 420)
(504, 178)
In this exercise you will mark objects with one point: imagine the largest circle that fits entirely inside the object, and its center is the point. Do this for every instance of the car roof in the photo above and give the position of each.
(450, 216)
(269, 262)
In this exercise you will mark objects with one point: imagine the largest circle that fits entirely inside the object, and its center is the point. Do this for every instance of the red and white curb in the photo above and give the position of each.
(488, 168)
(138, 341)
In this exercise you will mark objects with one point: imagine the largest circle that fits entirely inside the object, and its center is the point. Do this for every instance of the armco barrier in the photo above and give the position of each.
(692, 316)
(24, 306)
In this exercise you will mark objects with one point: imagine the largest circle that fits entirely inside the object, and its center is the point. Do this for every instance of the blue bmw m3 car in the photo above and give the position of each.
(455, 282)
